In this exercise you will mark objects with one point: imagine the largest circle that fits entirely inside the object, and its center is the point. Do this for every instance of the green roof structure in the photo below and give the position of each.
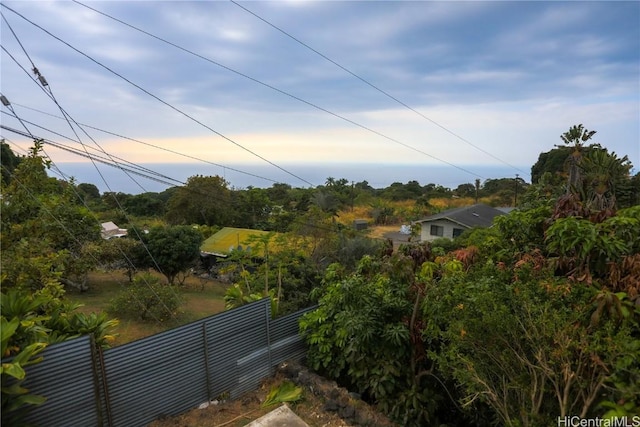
(228, 239)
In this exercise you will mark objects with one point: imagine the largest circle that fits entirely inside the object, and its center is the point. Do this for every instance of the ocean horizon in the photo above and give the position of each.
(240, 176)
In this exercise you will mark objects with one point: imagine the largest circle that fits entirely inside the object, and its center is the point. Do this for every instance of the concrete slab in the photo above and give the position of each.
(279, 417)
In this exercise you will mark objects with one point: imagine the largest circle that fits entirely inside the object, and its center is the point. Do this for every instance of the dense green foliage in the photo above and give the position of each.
(170, 250)
(204, 200)
(9, 162)
(45, 236)
(531, 331)
(535, 318)
(146, 299)
(30, 321)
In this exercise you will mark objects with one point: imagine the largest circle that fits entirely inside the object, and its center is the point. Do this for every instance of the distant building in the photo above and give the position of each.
(360, 224)
(451, 223)
(111, 231)
(222, 243)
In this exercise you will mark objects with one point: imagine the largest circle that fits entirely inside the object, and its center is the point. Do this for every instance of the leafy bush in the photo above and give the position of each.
(147, 299)
(29, 322)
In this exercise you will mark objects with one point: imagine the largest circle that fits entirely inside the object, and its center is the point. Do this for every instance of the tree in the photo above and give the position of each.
(434, 190)
(608, 181)
(172, 250)
(43, 228)
(465, 190)
(368, 334)
(628, 192)
(128, 254)
(146, 299)
(251, 208)
(279, 194)
(553, 162)
(145, 204)
(603, 174)
(8, 162)
(204, 200)
(577, 135)
(88, 192)
(326, 202)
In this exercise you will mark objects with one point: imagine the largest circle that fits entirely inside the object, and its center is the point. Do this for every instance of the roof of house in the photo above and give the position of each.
(111, 230)
(478, 215)
(230, 238)
(109, 226)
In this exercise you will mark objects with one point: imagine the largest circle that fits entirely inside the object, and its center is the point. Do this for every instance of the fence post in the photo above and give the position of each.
(96, 378)
(206, 359)
(100, 377)
(268, 320)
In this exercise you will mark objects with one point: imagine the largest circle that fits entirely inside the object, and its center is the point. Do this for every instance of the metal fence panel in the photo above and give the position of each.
(66, 378)
(160, 375)
(286, 342)
(238, 349)
(165, 374)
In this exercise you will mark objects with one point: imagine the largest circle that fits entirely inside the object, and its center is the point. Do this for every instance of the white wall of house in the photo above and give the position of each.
(432, 230)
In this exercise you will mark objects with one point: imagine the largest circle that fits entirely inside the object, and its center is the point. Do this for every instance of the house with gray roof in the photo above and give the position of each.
(451, 223)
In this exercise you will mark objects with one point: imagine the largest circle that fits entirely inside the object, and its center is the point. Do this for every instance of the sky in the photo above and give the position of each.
(282, 91)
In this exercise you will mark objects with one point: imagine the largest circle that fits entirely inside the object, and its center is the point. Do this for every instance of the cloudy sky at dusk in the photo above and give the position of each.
(464, 86)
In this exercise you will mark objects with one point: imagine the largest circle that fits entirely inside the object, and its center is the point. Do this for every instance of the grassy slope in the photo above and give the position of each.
(202, 299)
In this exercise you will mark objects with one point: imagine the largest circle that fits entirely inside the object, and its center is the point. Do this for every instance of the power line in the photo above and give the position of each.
(281, 91)
(387, 94)
(98, 158)
(29, 134)
(155, 146)
(67, 117)
(75, 238)
(158, 98)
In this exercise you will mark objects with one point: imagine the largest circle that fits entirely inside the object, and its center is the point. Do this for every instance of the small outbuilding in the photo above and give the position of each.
(453, 222)
(360, 224)
(110, 230)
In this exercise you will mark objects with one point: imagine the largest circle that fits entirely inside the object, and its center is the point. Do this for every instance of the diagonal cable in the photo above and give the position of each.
(363, 80)
(157, 98)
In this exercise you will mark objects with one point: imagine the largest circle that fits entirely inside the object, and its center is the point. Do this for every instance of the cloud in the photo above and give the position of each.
(507, 76)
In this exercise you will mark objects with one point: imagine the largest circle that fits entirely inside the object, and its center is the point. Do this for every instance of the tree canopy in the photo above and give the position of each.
(171, 250)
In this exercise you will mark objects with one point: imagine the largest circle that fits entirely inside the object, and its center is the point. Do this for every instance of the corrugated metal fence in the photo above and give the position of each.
(166, 374)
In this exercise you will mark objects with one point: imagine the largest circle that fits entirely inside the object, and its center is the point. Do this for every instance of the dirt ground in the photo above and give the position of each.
(323, 405)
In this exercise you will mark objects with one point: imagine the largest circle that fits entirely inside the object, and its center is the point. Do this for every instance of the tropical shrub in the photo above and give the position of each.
(30, 321)
(147, 299)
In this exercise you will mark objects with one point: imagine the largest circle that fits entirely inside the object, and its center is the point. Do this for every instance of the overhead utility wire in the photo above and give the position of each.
(67, 117)
(6, 103)
(387, 94)
(113, 160)
(94, 157)
(46, 88)
(74, 237)
(55, 170)
(279, 90)
(159, 99)
(29, 134)
(44, 84)
(81, 125)
(155, 146)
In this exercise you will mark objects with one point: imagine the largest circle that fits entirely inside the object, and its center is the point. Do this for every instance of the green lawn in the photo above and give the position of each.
(202, 298)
